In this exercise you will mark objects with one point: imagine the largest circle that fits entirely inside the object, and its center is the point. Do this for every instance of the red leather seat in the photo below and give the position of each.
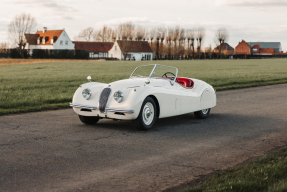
(185, 82)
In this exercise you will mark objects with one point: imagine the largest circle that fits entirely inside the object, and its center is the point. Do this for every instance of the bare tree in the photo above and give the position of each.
(181, 42)
(175, 39)
(199, 38)
(126, 31)
(160, 35)
(178, 39)
(4, 46)
(105, 34)
(152, 34)
(22, 24)
(114, 35)
(87, 34)
(221, 36)
(140, 33)
(169, 39)
(190, 42)
(126, 34)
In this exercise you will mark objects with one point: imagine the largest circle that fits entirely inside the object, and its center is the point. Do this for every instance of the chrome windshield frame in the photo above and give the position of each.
(155, 65)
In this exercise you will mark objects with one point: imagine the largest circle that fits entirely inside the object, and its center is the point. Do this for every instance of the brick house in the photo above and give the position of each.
(225, 48)
(96, 49)
(258, 48)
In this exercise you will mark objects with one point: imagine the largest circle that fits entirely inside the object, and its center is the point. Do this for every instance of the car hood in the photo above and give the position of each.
(136, 82)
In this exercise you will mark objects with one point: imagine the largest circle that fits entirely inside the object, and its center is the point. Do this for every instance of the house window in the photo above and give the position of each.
(61, 42)
(255, 50)
(66, 43)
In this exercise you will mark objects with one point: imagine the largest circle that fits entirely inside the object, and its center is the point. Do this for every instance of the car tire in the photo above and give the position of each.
(202, 114)
(89, 120)
(147, 115)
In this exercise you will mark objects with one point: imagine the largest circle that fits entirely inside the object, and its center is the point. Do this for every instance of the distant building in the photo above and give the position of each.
(49, 39)
(276, 46)
(96, 49)
(225, 49)
(134, 50)
(258, 48)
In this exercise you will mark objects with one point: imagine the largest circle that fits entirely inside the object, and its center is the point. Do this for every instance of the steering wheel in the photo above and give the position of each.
(172, 78)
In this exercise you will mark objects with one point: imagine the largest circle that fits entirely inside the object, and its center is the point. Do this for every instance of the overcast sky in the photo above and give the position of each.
(256, 20)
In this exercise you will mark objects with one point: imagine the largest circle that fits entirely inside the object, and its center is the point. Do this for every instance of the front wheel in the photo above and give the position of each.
(89, 120)
(202, 114)
(147, 116)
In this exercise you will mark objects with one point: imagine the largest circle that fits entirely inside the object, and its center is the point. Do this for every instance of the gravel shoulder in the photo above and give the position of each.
(54, 151)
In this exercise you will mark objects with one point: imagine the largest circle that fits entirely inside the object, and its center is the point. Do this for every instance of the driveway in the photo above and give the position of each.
(54, 151)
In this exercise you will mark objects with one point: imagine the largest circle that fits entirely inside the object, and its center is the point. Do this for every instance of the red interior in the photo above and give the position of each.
(185, 82)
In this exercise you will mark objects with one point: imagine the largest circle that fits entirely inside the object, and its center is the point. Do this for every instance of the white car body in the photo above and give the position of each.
(170, 97)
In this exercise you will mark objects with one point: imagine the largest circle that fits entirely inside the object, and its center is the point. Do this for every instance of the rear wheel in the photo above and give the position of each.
(147, 116)
(89, 120)
(202, 114)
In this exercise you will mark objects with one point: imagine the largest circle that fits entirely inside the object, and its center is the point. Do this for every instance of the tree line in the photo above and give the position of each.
(171, 43)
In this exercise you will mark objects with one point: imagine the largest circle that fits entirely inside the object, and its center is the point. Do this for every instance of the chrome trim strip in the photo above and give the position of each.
(119, 110)
(83, 106)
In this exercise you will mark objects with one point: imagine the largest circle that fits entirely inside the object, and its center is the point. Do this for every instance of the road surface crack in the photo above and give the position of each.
(27, 141)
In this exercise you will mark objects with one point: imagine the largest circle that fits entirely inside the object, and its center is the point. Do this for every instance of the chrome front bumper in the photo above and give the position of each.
(83, 106)
(119, 110)
(95, 108)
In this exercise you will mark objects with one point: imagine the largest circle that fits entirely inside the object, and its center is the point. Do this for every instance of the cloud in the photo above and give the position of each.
(49, 4)
(254, 3)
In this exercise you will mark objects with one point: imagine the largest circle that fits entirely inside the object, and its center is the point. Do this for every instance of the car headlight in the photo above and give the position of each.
(87, 93)
(118, 96)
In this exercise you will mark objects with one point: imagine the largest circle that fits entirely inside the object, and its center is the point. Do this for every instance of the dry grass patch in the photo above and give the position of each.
(34, 61)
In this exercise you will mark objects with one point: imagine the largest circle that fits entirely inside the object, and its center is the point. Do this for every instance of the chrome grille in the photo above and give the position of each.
(104, 97)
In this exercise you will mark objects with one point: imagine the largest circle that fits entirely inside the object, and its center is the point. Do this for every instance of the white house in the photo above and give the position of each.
(135, 50)
(96, 49)
(49, 39)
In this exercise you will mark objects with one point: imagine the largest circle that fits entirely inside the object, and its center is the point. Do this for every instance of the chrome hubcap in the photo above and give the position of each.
(148, 113)
(204, 111)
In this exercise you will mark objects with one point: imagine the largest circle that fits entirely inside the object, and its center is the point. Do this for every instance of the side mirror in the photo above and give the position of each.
(89, 78)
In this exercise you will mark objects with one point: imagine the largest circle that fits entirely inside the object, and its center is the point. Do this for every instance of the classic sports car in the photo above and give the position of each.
(151, 91)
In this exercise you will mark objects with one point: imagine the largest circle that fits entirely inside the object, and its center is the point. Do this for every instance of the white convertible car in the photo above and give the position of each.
(151, 91)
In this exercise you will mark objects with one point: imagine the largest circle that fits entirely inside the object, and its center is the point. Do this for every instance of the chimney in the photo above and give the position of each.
(44, 29)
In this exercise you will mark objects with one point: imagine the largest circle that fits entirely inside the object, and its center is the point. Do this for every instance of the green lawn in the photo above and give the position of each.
(43, 86)
(268, 173)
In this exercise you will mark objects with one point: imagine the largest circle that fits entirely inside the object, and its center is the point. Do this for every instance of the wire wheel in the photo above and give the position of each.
(205, 111)
(148, 113)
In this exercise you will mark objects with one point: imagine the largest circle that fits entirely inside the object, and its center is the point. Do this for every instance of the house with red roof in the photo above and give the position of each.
(96, 49)
(131, 50)
(49, 39)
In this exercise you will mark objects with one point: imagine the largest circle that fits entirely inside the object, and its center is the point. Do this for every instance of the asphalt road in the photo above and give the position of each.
(54, 151)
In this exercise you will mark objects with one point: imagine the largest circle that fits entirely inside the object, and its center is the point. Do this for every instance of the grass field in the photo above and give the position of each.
(36, 87)
(33, 61)
(268, 173)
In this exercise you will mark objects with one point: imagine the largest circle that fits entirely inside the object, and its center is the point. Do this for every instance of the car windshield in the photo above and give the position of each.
(156, 71)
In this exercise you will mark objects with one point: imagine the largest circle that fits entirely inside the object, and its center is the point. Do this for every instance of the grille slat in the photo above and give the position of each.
(104, 97)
